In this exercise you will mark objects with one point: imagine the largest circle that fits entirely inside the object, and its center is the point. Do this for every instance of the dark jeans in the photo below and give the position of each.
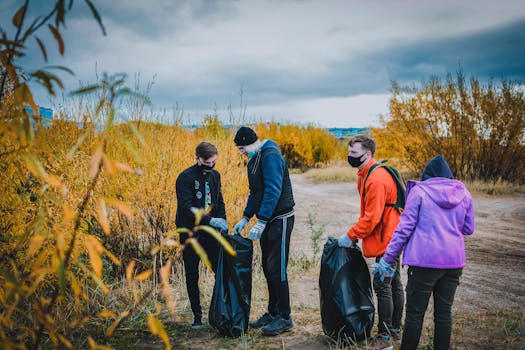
(422, 282)
(191, 267)
(275, 248)
(390, 300)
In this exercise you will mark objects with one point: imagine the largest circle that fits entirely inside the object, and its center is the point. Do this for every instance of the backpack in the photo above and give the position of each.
(399, 205)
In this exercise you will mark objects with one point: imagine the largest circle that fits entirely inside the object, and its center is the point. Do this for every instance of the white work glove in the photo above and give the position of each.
(257, 230)
(344, 241)
(219, 223)
(237, 229)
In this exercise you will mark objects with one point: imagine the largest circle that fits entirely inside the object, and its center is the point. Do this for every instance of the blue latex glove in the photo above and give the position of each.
(237, 229)
(257, 230)
(344, 241)
(219, 223)
(384, 269)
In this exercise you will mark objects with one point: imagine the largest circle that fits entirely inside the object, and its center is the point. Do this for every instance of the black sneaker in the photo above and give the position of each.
(278, 326)
(262, 321)
(197, 323)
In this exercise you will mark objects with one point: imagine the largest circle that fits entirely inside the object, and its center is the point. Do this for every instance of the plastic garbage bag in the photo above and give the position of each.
(230, 304)
(347, 304)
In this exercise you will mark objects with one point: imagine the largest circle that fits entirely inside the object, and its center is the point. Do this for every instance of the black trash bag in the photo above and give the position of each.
(230, 304)
(347, 304)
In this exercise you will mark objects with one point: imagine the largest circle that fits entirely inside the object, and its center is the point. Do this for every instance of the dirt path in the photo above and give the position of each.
(495, 274)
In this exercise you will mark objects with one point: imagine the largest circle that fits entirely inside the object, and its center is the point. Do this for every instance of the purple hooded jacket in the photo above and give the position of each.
(438, 212)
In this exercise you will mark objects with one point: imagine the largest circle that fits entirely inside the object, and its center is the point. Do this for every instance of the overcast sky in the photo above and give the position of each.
(324, 62)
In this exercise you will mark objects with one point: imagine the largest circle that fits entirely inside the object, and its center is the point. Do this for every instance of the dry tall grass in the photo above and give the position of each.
(88, 211)
(333, 174)
(495, 188)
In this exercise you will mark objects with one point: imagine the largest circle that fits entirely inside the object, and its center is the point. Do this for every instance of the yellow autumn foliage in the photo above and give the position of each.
(478, 128)
(303, 146)
(84, 207)
(88, 203)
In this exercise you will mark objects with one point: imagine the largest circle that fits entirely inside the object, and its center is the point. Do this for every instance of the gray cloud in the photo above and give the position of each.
(498, 53)
(285, 53)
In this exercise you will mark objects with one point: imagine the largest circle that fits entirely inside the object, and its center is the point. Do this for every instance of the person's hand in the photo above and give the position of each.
(344, 241)
(384, 269)
(219, 223)
(237, 229)
(257, 230)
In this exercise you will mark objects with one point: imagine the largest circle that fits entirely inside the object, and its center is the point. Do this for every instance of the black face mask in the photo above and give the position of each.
(356, 161)
(206, 168)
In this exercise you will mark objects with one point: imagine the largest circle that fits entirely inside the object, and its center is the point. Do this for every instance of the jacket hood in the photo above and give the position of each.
(447, 193)
(437, 167)
(269, 144)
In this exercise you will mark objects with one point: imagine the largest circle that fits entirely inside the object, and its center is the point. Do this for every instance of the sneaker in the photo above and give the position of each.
(278, 326)
(197, 323)
(380, 342)
(262, 321)
(395, 335)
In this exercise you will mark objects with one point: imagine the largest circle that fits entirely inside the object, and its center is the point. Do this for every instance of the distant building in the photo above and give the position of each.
(342, 133)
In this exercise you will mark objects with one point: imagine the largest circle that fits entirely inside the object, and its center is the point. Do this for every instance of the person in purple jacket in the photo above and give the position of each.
(438, 213)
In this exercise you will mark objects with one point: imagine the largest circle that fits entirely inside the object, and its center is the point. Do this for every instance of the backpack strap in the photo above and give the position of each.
(372, 168)
(399, 205)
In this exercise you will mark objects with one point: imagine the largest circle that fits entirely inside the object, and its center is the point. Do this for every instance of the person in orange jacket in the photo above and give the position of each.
(375, 226)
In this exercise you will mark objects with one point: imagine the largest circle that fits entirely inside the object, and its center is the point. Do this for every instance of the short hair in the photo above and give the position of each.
(206, 150)
(366, 141)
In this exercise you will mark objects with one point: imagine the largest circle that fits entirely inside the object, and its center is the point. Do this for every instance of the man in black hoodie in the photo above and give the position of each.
(199, 186)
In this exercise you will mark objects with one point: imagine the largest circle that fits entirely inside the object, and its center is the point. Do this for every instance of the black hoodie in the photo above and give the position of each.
(437, 167)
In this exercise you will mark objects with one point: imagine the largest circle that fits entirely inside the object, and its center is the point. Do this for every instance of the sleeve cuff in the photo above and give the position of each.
(351, 235)
(387, 260)
(260, 218)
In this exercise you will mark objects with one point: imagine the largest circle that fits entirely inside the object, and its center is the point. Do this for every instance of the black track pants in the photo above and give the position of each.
(275, 248)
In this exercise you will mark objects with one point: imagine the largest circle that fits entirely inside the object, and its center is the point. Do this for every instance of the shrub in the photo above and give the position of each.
(479, 129)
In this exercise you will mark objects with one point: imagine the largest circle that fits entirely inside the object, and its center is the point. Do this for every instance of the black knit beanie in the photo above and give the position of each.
(245, 136)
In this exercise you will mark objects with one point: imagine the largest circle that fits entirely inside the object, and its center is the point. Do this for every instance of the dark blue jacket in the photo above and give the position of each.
(190, 188)
(270, 187)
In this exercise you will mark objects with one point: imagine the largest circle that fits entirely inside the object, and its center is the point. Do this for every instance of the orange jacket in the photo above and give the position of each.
(377, 222)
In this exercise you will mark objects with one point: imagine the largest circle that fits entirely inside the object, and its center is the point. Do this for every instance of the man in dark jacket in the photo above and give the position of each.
(271, 200)
(199, 186)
